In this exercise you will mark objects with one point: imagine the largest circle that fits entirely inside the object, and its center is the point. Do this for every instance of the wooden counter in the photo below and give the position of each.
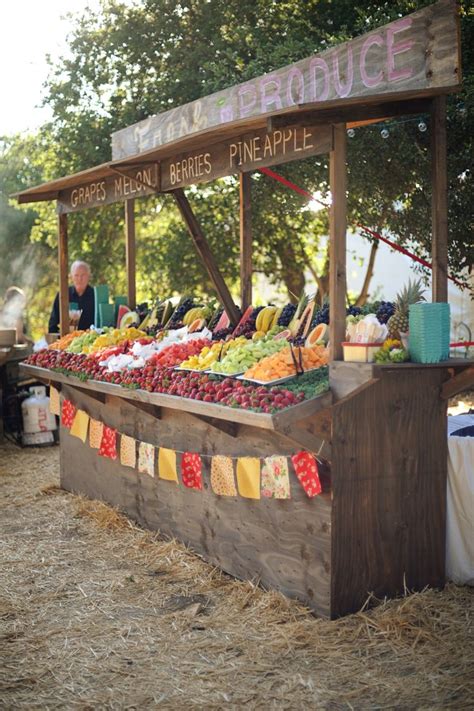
(379, 525)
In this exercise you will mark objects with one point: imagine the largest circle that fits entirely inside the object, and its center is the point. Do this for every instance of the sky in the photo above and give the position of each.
(28, 31)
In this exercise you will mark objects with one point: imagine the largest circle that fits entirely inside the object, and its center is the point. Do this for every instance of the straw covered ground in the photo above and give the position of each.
(98, 613)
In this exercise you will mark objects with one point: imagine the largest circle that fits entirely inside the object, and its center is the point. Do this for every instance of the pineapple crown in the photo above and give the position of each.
(412, 293)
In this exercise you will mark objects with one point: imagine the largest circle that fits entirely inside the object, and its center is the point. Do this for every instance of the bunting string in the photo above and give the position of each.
(251, 477)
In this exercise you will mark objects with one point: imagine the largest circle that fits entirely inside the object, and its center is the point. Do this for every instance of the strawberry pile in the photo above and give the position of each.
(159, 378)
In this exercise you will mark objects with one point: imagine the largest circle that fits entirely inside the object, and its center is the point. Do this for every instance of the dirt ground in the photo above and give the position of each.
(97, 613)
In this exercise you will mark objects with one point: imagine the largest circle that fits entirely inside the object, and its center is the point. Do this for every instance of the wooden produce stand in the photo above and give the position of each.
(379, 525)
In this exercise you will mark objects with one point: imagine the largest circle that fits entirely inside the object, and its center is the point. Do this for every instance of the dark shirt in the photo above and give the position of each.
(85, 302)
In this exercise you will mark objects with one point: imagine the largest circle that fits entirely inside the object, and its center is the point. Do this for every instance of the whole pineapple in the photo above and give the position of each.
(410, 294)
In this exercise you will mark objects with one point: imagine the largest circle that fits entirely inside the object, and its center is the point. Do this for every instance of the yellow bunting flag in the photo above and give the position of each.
(222, 476)
(128, 451)
(146, 458)
(95, 433)
(54, 404)
(248, 477)
(167, 464)
(80, 425)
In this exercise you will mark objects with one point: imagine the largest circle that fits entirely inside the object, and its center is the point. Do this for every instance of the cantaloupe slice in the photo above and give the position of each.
(197, 325)
(319, 334)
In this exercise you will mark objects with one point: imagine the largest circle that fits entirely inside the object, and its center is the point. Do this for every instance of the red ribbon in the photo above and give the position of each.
(377, 235)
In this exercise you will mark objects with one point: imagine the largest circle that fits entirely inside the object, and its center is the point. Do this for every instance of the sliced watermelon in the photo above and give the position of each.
(224, 322)
(246, 315)
(122, 310)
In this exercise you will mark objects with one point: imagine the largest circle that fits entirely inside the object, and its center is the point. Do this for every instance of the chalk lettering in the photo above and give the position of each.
(374, 79)
(306, 136)
(270, 88)
(394, 49)
(256, 148)
(342, 90)
(293, 74)
(207, 163)
(286, 138)
(319, 63)
(247, 104)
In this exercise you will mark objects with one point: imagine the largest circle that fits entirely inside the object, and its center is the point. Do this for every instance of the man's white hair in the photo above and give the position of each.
(79, 263)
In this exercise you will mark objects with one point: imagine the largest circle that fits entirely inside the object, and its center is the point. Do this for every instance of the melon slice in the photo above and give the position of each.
(122, 310)
(131, 318)
(246, 315)
(197, 325)
(283, 334)
(223, 322)
(319, 334)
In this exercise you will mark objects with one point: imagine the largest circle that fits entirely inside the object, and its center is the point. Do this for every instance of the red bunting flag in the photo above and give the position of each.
(306, 468)
(67, 414)
(191, 470)
(108, 444)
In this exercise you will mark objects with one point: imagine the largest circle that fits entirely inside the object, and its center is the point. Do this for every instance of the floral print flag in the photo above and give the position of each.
(275, 480)
(108, 444)
(191, 470)
(67, 414)
(146, 458)
(306, 468)
(222, 476)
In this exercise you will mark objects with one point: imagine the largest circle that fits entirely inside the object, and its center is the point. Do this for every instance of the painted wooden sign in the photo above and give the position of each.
(116, 188)
(245, 153)
(417, 55)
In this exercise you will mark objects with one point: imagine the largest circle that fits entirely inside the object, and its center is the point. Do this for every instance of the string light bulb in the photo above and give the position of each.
(422, 126)
(385, 133)
(351, 133)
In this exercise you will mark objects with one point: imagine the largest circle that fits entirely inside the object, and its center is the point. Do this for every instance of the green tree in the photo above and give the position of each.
(127, 62)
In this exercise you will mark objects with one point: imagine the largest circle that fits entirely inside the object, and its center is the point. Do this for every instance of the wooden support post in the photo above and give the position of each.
(337, 242)
(63, 276)
(245, 241)
(204, 251)
(439, 206)
(130, 252)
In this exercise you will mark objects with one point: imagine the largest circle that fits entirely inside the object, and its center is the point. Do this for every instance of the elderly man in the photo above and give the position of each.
(80, 293)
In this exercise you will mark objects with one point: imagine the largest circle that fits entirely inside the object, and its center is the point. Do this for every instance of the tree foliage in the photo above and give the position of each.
(127, 62)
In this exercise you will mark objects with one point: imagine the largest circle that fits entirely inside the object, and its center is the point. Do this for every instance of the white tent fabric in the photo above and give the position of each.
(460, 504)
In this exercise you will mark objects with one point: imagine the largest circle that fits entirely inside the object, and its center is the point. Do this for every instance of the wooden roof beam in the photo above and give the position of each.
(202, 248)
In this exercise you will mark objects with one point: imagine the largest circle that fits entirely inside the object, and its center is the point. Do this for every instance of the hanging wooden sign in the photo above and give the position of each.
(417, 55)
(244, 153)
(115, 188)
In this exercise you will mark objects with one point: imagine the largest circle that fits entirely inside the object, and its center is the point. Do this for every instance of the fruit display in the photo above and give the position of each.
(114, 337)
(62, 343)
(385, 309)
(319, 334)
(82, 343)
(321, 315)
(410, 294)
(176, 353)
(243, 357)
(196, 386)
(287, 362)
(286, 315)
(210, 354)
(392, 351)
